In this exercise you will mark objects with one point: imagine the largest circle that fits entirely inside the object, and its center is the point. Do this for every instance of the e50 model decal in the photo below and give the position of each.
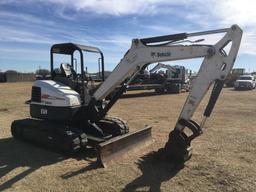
(43, 111)
(160, 54)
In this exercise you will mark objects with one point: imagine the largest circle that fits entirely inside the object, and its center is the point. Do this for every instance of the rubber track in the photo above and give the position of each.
(67, 141)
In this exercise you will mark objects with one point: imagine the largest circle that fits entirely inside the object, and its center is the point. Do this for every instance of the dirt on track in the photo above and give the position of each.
(224, 157)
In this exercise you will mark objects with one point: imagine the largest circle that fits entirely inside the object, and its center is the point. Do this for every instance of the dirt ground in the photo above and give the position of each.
(224, 157)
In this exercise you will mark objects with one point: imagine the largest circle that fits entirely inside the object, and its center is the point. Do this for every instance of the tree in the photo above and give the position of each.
(11, 72)
(42, 72)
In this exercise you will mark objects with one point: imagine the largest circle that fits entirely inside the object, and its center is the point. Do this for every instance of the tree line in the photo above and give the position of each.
(14, 76)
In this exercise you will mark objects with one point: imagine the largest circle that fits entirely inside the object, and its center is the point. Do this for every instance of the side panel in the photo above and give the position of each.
(52, 112)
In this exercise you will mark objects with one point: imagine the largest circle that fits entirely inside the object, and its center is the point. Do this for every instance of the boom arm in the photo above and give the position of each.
(216, 65)
(141, 54)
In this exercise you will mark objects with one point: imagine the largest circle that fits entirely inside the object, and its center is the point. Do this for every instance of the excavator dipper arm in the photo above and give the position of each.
(214, 69)
(216, 65)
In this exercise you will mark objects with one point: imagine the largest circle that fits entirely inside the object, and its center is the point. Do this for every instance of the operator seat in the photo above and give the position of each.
(68, 71)
(66, 75)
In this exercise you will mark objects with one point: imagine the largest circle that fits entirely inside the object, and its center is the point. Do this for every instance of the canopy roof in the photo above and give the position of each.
(69, 48)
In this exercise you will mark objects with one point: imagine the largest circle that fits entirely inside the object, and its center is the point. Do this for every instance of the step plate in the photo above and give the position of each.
(115, 148)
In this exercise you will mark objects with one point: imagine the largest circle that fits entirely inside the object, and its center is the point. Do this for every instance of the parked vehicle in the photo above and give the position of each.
(233, 76)
(245, 82)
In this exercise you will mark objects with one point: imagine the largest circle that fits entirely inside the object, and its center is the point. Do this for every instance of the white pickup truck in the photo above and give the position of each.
(245, 82)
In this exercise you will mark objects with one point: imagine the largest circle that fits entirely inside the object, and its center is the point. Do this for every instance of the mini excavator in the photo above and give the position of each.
(162, 78)
(68, 113)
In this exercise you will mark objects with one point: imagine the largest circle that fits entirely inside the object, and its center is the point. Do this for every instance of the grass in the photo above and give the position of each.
(223, 157)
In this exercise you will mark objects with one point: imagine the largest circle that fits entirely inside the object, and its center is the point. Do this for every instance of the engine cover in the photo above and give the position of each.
(53, 100)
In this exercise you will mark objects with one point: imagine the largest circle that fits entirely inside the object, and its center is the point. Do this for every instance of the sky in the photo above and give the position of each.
(28, 28)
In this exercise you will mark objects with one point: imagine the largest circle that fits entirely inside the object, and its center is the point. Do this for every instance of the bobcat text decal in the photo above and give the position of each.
(160, 54)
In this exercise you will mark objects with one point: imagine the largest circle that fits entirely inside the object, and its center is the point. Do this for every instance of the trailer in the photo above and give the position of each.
(162, 78)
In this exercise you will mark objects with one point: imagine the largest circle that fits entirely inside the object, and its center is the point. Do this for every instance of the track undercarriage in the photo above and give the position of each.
(69, 139)
(66, 138)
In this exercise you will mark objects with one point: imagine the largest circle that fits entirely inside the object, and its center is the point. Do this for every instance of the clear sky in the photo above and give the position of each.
(28, 28)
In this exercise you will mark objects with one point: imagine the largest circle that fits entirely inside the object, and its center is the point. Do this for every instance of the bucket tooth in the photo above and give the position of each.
(115, 148)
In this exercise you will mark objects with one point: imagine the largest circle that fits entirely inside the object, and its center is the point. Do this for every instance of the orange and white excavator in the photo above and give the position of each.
(68, 113)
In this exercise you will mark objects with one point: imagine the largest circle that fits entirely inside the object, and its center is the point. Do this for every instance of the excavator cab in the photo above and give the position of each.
(78, 78)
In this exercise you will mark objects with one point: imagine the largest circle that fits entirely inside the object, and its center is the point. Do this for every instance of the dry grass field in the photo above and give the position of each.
(224, 157)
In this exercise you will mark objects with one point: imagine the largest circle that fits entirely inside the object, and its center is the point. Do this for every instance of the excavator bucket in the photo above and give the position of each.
(117, 147)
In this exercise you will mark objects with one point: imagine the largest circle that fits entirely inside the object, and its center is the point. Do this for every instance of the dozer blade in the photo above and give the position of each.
(117, 147)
